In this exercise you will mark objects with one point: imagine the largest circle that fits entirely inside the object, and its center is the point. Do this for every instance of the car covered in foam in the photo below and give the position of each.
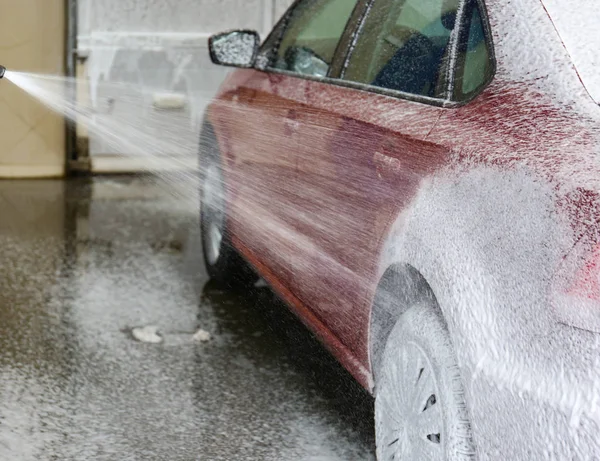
(420, 181)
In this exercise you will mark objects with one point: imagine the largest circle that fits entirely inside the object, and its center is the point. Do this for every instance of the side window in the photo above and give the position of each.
(474, 64)
(404, 46)
(312, 33)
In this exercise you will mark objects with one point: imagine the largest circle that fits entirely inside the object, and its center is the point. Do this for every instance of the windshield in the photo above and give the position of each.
(577, 23)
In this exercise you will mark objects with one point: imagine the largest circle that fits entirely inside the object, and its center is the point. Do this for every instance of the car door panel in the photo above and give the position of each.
(261, 163)
(360, 164)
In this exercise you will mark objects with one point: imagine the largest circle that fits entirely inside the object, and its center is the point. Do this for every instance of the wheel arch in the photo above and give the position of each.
(401, 286)
(208, 143)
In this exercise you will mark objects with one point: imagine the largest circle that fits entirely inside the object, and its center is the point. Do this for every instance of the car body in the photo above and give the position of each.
(485, 188)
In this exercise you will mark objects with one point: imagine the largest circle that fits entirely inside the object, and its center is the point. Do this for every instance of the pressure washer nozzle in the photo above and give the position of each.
(2, 71)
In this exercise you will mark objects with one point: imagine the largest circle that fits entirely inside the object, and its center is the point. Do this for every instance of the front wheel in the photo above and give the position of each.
(223, 263)
(420, 409)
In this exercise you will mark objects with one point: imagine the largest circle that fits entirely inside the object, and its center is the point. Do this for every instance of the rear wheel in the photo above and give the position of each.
(223, 263)
(420, 409)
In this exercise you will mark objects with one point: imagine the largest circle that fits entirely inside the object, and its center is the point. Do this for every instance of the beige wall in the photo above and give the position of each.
(32, 138)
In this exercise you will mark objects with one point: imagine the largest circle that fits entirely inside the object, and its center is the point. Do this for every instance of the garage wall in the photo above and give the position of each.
(170, 15)
(160, 44)
(31, 39)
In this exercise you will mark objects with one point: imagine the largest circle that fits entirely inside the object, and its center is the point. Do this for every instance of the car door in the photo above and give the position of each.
(263, 123)
(261, 164)
(363, 153)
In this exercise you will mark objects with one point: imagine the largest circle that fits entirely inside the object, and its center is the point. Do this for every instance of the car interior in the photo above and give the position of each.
(411, 42)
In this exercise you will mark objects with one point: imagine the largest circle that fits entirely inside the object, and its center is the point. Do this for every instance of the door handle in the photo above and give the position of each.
(244, 96)
(386, 167)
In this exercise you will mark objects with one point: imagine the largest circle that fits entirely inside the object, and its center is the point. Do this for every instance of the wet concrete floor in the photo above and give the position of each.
(81, 263)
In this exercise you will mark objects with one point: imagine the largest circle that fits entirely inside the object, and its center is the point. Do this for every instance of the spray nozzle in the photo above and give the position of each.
(2, 71)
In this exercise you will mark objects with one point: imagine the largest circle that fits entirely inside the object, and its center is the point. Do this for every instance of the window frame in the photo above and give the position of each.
(271, 44)
(462, 40)
(350, 38)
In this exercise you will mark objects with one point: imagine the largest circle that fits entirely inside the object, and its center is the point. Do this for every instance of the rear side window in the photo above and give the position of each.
(312, 32)
(404, 45)
(475, 63)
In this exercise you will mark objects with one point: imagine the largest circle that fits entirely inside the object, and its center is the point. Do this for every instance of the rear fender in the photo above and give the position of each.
(486, 242)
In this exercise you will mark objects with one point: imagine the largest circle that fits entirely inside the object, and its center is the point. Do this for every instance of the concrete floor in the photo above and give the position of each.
(84, 262)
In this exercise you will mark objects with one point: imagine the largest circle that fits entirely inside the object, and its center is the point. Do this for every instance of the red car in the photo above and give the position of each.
(419, 180)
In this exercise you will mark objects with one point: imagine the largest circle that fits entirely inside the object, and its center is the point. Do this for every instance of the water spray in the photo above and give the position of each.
(2, 71)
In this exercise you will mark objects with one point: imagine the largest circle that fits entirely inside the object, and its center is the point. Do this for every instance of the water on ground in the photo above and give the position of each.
(83, 263)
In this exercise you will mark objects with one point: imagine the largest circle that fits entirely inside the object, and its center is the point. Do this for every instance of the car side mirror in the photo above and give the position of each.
(236, 48)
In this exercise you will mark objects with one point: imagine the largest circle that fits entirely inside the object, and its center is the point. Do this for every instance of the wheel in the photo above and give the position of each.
(420, 409)
(223, 263)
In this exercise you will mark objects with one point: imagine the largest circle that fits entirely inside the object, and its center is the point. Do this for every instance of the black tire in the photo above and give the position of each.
(223, 263)
(420, 408)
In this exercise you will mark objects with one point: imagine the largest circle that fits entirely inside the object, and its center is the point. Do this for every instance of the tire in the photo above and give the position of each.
(420, 408)
(223, 263)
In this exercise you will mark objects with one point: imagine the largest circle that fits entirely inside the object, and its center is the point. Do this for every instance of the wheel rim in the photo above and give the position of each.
(214, 213)
(410, 423)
